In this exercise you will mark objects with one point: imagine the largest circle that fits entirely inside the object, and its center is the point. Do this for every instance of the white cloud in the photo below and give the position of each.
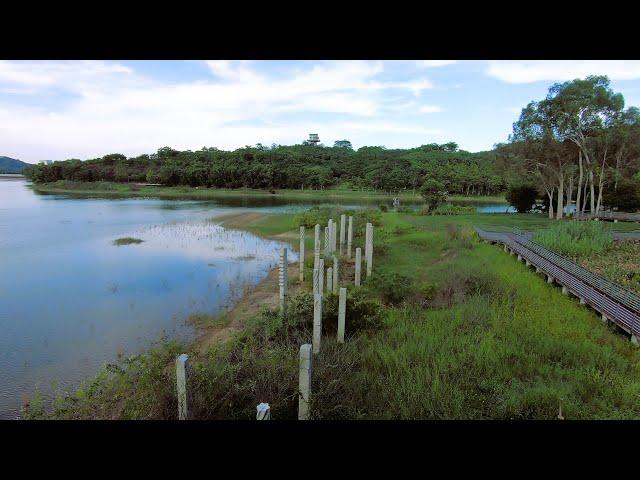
(435, 63)
(528, 71)
(431, 109)
(114, 109)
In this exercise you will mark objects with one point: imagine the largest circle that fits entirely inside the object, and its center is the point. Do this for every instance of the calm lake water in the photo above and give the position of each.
(71, 301)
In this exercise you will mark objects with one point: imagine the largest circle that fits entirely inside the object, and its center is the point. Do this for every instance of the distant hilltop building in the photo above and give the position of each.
(313, 139)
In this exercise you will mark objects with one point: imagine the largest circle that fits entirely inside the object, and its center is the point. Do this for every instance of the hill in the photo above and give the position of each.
(11, 165)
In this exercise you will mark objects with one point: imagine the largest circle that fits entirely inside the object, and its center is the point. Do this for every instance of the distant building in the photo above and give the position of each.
(313, 139)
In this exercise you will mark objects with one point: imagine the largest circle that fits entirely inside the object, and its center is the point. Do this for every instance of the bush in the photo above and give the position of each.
(393, 288)
(626, 197)
(449, 209)
(575, 238)
(522, 197)
(434, 193)
(383, 208)
(464, 282)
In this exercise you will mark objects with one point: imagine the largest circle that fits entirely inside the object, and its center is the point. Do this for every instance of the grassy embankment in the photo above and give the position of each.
(464, 331)
(111, 189)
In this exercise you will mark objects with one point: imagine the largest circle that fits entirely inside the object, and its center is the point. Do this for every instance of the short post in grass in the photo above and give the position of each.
(283, 280)
(343, 232)
(334, 237)
(349, 237)
(329, 279)
(358, 266)
(565, 290)
(317, 322)
(316, 245)
(304, 381)
(549, 279)
(263, 411)
(327, 242)
(369, 249)
(342, 310)
(301, 261)
(183, 372)
(336, 267)
(318, 274)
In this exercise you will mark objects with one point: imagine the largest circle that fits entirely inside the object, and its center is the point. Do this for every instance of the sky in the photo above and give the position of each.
(55, 110)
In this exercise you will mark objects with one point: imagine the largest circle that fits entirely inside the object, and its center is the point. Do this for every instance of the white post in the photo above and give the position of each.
(350, 237)
(283, 280)
(327, 241)
(301, 261)
(329, 279)
(358, 265)
(263, 411)
(369, 249)
(335, 274)
(304, 382)
(182, 384)
(342, 309)
(317, 321)
(334, 236)
(343, 232)
(316, 245)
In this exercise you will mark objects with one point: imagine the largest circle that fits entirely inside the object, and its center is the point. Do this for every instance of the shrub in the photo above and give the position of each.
(393, 288)
(434, 193)
(464, 282)
(383, 208)
(575, 238)
(449, 209)
(522, 197)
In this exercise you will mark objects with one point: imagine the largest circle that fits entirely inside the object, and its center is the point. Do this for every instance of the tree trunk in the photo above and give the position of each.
(560, 196)
(550, 194)
(570, 192)
(578, 193)
(601, 182)
(592, 192)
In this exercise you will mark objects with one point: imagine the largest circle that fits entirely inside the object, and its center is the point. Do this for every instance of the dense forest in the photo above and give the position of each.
(296, 167)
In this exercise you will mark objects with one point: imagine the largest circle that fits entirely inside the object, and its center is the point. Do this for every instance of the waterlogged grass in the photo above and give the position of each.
(464, 332)
(127, 241)
(621, 263)
(573, 238)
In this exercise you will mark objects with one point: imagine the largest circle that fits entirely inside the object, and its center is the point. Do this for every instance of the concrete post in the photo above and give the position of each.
(519, 258)
(334, 237)
(604, 318)
(336, 268)
(634, 340)
(549, 279)
(317, 322)
(342, 310)
(329, 279)
(301, 261)
(321, 277)
(505, 248)
(350, 237)
(183, 370)
(283, 280)
(358, 265)
(316, 245)
(370, 252)
(527, 263)
(582, 301)
(565, 290)
(538, 270)
(304, 382)
(263, 411)
(343, 232)
(327, 242)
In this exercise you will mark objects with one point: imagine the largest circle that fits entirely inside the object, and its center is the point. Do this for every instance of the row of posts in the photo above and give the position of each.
(332, 285)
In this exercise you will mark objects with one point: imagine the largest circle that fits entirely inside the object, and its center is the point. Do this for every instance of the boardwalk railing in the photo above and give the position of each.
(615, 303)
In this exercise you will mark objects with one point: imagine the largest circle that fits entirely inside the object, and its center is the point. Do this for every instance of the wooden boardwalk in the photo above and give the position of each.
(614, 302)
(610, 216)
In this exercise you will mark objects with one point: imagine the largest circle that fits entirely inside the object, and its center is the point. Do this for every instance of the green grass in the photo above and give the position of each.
(127, 241)
(620, 263)
(573, 238)
(473, 335)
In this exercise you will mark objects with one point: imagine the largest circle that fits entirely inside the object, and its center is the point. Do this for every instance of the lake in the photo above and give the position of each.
(71, 301)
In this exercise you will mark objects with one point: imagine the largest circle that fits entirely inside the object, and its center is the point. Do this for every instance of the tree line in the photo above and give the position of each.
(578, 142)
(294, 167)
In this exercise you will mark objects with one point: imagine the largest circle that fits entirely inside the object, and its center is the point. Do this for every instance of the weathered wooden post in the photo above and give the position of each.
(301, 261)
(263, 411)
(358, 265)
(369, 253)
(349, 237)
(327, 242)
(343, 232)
(317, 322)
(342, 310)
(329, 279)
(304, 382)
(183, 371)
(316, 245)
(283, 280)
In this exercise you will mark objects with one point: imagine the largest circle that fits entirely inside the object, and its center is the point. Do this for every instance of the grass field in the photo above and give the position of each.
(447, 328)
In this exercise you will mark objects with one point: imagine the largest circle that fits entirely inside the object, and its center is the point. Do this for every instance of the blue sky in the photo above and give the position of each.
(85, 109)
